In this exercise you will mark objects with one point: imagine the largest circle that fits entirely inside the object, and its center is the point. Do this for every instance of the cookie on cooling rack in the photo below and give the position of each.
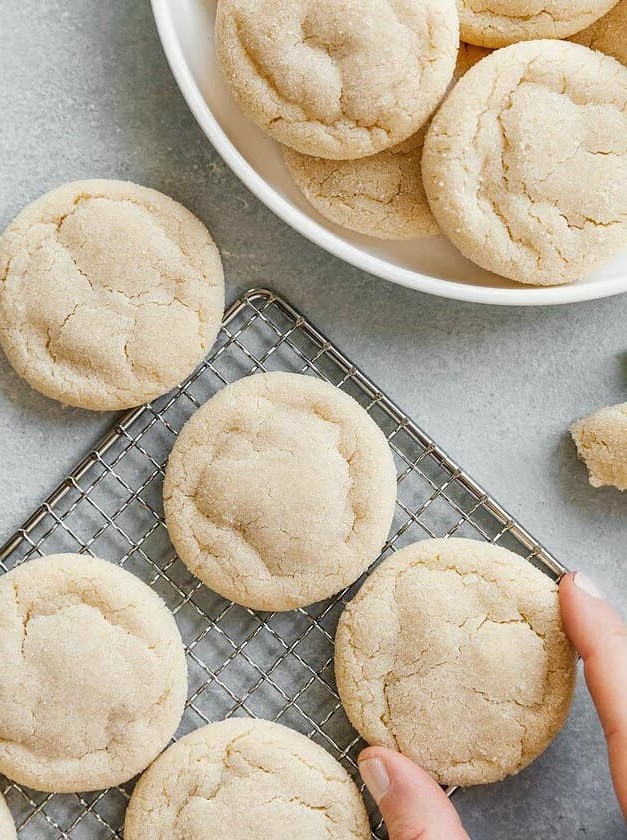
(110, 294)
(601, 442)
(279, 491)
(228, 779)
(503, 22)
(7, 826)
(453, 652)
(381, 195)
(94, 677)
(609, 34)
(337, 80)
(536, 206)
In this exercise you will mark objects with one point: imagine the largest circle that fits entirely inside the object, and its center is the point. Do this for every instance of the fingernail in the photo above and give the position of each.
(584, 583)
(376, 777)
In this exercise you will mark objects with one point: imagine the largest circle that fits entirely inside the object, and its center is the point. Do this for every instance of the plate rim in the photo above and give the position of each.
(327, 240)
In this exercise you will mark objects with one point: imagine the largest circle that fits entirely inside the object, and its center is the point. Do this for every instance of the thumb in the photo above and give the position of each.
(600, 636)
(413, 805)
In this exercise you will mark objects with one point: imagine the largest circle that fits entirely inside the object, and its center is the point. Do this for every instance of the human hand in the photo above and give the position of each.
(600, 636)
(415, 807)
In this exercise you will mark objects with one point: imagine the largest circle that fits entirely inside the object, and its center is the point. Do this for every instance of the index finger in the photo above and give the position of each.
(600, 636)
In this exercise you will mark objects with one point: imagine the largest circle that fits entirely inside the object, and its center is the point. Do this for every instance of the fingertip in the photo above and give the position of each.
(369, 752)
(399, 768)
(412, 803)
(575, 584)
(402, 776)
(374, 772)
(567, 596)
(566, 581)
(588, 618)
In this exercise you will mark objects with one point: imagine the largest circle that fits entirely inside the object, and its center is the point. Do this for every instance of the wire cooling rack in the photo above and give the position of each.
(273, 665)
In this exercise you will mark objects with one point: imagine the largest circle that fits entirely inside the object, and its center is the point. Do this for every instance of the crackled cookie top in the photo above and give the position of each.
(453, 652)
(338, 80)
(381, 195)
(243, 779)
(496, 23)
(7, 826)
(601, 441)
(536, 205)
(279, 491)
(110, 293)
(609, 34)
(93, 674)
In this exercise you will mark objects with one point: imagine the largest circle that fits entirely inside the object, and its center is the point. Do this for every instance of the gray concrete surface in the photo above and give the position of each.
(85, 91)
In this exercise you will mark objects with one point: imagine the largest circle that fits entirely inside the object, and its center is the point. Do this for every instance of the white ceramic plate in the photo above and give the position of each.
(430, 265)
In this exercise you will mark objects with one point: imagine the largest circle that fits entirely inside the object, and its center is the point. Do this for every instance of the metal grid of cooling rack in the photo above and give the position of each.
(273, 665)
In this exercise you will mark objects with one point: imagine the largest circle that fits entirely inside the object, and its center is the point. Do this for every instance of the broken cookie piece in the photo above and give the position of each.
(601, 441)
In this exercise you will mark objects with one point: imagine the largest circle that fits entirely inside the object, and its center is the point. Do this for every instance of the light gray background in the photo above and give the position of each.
(85, 91)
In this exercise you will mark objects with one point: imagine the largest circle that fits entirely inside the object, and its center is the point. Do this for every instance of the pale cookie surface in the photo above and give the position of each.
(496, 23)
(243, 779)
(608, 35)
(110, 294)
(601, 441)
(381, 195)
(537, 206)
(7, 826)
(279, 491)
(453, 652)
(94, 678)
(338, 80)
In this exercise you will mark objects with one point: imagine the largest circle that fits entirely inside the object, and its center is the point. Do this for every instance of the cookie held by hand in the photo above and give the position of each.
(453, 653)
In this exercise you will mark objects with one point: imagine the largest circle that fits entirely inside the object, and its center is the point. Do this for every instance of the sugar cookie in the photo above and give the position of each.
(381, 195)
(601, 442)
(453, 652)
(537, 206)
(279, 491)
(338, 80)
(609, 34)
(94, 678)
(501, 22)
(110, 294)
(228, 779)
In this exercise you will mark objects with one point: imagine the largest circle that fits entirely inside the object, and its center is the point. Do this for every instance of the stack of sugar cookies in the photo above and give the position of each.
(393, 128)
